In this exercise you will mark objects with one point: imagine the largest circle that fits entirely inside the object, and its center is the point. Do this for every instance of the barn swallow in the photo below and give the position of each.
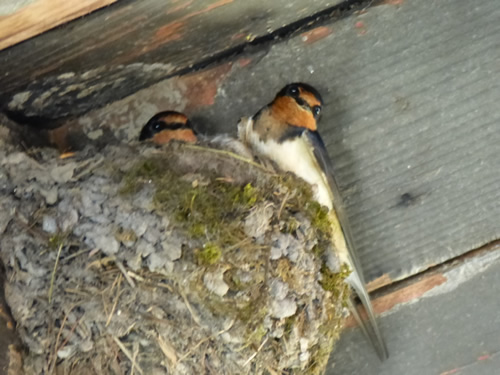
(166, 126)
(285, 131)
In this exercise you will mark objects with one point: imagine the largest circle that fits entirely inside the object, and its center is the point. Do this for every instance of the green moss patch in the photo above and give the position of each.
(209, 255)
(212, 210)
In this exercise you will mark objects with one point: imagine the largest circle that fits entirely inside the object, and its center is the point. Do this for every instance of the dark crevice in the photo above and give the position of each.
(438, 268)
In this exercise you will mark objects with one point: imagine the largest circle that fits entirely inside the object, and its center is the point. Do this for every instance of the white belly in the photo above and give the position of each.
(294, 156)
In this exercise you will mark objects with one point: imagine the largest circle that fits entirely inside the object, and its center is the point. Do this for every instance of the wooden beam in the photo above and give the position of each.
(443, 275)
(112, 53)
(412, 132)
(42, 15)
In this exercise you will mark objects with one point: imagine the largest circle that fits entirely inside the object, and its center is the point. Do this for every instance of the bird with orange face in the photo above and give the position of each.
(285, 131)
(167, 126)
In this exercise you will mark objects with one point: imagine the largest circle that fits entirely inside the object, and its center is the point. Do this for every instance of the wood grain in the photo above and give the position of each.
(41, 16)
(410, 120)
(112, 53)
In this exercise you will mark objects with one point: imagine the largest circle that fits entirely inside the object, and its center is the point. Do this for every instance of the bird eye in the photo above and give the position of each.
(294, 91)
(316, 110)
(156, 126)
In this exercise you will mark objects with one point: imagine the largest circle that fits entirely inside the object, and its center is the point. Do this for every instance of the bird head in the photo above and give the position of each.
(298, 104)
(168, 125)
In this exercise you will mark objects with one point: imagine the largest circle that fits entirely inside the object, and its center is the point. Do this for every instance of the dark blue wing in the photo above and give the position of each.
(325, 164)
(356, 279)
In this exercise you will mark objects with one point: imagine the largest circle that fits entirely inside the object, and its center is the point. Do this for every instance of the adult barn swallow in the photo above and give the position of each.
(285, 131)
(166, 126)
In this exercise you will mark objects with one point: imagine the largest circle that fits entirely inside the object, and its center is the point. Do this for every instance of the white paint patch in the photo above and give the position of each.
(64, 76)
(70, 88)
(118, 81)
(148, 68)
(39, 102)
(89, 90)
(19, 99)
(91, 73)
(95, 134)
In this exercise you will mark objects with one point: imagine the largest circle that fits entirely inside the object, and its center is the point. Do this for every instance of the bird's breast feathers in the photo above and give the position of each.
(291, 155)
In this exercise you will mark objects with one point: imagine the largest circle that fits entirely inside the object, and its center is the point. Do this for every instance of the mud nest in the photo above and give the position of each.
(179, 260)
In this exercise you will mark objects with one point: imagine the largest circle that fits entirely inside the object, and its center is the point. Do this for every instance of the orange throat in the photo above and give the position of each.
(185, 135)
(286, 110)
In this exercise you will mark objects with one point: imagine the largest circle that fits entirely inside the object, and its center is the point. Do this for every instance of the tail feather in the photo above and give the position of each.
(370, 328)
(342, 241)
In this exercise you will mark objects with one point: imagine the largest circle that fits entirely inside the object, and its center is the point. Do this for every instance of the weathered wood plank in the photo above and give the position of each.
(454, 329)
(411, 121)
(42, 15)
(110, 54)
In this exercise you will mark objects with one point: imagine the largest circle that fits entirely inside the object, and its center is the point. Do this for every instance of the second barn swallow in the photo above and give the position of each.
(285, 131)
(171, 125)
(166, 126)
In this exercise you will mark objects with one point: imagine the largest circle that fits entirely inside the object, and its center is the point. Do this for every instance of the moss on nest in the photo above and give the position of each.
(334, 282)
(202, 259)
(213, 210)
(57, 239)
(209, 255)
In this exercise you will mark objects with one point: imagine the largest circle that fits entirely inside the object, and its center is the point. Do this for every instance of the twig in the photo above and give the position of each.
(188, 353)
(21, 220)
(134, 357)
(128, 354)
(121, 267)
(104, 304)
(191, 205)
(227, 153)
(115, 283)
(53, 276)
(66, 155)
(103, 292)
(188, 305)
(77, 292)
(135, 276)
(164, 286)
(53, 360)
(69, 335)
(77, 254)
(255, 354)
(86, 169)
(285, 199)
(113, 308)
(237, 245)
(272, 371)
(167, 349)
(139, 278)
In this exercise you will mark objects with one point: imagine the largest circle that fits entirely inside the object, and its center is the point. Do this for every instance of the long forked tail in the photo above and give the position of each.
(370, 328)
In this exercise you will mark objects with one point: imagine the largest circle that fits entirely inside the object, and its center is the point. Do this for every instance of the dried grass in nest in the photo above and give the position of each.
(180, 260)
